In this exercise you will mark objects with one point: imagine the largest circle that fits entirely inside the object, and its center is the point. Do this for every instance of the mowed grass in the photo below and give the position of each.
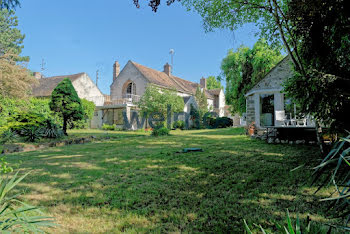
(136, 183)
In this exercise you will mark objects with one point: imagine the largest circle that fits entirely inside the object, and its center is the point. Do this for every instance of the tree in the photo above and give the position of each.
(11, 38)
(154, 4)
(15, 80)
(213, 83)
(157, 100)
(244, 68)
(66, 103)
(325, 54)
(201, 100)
(89, 109)
(9, 4)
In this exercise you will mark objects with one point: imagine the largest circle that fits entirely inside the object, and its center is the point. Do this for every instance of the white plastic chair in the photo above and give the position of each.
(281, 116)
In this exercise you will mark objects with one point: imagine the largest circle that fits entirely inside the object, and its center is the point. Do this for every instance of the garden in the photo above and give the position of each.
(137, 183)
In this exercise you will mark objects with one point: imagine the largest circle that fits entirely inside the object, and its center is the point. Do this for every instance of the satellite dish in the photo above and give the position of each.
(172, 51)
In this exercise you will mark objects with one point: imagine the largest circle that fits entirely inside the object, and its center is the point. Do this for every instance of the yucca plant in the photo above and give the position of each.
(16, 216)
(8, 136)
(52, 130)
(335, 169)
(32, 134)
(290, 228)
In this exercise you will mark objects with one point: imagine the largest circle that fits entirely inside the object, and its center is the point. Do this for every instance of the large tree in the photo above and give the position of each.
(11, 38)
(9, 4)
(213, 83)
(15, 80)
(323, 32)
(66, 103)
(244, 68)
(157, 100)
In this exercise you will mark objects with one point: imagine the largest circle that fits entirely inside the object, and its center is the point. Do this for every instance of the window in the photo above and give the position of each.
(131, 89)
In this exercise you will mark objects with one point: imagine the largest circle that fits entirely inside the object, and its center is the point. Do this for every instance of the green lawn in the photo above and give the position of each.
(137, 183)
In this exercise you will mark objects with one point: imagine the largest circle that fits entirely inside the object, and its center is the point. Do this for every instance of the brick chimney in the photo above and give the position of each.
(203, 83)
(37, 75)
(167, 69)
(116, 70)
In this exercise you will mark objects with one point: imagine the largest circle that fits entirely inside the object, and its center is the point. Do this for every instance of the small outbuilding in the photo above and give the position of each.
(266, 104)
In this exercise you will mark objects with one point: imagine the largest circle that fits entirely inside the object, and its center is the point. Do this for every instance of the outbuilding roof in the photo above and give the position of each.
(45, 86)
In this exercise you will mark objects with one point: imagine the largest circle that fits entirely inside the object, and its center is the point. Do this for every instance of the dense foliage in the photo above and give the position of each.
(15, 80)
(155, 100)
(244, 68)
(213, 83)
(324, 48)
(162, 131)
(220, 122)
(9, 4)
(66, 103)
(89, 109)
(11, 107)
(179, 124)
(11, 38)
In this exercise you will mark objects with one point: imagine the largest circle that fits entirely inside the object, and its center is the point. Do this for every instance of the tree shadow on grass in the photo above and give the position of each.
(144, 186)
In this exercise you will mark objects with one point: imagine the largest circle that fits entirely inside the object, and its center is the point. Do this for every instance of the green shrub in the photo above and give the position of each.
(335, 169)
(163, 131)
(52, 130)
(179, 125)
(8, 136)
(25, 121)
(10, 107)
(32, 126)
(89, 109)
(4, 168)
(308, 227)
(16, 216)
(32, 134)
(109, 127)
(219, 122)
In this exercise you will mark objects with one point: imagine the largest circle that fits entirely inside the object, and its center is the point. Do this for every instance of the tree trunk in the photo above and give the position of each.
(65, 126)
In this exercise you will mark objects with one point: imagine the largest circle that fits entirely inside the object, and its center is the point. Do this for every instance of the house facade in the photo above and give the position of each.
(130, 83)
(82, 83)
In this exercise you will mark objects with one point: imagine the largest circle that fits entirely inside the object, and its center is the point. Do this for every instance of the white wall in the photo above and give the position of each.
(87, 89)
(129, 72)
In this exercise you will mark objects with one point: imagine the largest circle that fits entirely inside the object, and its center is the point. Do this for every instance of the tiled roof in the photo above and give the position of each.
(46, 85)
(162, 79)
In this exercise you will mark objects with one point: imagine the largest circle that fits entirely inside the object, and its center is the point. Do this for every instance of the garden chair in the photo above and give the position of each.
(281, 116)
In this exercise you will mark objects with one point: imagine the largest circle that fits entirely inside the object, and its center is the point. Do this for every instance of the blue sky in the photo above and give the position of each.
(83, 36)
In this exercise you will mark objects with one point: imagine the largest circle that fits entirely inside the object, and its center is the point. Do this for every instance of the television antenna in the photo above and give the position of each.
(43, 63)
(172, 52)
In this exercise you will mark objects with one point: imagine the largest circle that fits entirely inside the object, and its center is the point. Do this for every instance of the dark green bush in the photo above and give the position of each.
(89, 109)
(163, 131)
(32, 134)
(219, 122)
(179, 125)
(32, 126)
(52, 130)
(8, 136)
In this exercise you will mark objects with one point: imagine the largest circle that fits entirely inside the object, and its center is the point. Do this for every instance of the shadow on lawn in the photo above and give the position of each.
(211, 191)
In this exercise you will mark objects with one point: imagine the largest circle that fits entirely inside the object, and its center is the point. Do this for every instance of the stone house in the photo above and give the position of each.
(266, 104)
(131, 82)
(82, 83)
